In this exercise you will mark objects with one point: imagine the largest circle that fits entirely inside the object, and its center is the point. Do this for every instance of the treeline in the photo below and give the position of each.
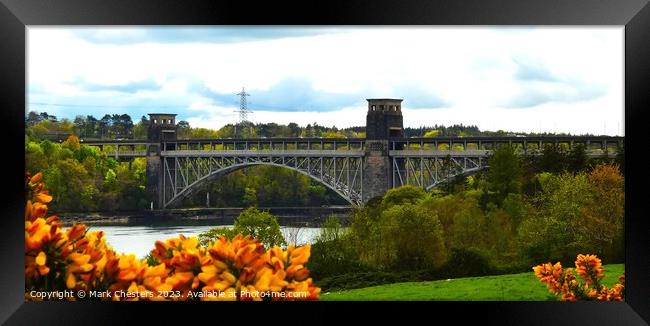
(83, 178)
(121, 126)
(505, 220)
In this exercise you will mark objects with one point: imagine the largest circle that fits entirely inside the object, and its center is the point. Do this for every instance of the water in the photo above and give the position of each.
(140, 239)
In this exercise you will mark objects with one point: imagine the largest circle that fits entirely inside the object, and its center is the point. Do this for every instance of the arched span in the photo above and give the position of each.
(187, 191)
(467, 172)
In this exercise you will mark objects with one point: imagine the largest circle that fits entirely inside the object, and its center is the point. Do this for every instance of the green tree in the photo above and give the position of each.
(403, 195)
(110, 180)
(504, 174)
(603, 220)
(414, 237)
(577, 158)
(261, 225)
(553, 159)
(431, 133)
(35, 158)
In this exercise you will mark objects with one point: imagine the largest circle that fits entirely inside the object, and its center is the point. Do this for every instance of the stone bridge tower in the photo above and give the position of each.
(384, 121)
(162, 127)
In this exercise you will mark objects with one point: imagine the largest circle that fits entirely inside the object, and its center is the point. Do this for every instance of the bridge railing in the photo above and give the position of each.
(291, 153)
(127, 154)
(610, 143)
(338, 144)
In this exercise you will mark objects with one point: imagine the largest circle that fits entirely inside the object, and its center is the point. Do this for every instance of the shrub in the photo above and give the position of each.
(403, 195)
(260, 225)
(333, 252)
(563, 283)
(464, 262)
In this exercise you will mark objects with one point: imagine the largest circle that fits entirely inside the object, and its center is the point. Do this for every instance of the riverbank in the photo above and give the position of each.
(298, 216)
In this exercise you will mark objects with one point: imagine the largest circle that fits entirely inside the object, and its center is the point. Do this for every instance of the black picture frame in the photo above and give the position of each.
(15, 15)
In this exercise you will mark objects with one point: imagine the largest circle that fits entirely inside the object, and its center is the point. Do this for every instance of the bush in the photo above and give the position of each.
(564, 284)
(260, 225)
(333, 252)
(464, 262)
(366, 278)
(333, 257)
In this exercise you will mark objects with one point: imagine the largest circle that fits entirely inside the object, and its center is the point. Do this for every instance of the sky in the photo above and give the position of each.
(521, 79)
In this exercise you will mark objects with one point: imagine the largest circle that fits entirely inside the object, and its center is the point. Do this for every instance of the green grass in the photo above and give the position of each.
(510, 287)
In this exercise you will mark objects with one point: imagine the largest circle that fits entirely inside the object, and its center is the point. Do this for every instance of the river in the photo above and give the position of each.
(140, 239)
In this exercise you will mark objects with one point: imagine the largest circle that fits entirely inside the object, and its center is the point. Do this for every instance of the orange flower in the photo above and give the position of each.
(589, 268)
(269, 280)
(549, 274)
(36, 178)
(36, 233)
(43, 197)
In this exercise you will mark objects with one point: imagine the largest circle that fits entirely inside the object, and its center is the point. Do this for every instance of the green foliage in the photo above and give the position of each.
(574, 214)
(82, 178)
(261, 225)
(504, 175)
(403, 195)
(209, 236)
(413, 238)
(516, 207)
(577, 159)
(151, 260)
(464, 262)
(333, 253)
(553, 159)
(331, 230)
(110, 180)
(431, 133)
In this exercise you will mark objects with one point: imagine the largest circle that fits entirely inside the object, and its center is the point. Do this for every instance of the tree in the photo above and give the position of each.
(33, 118)
(72, 143)
(294, 129)
(403, 195)
(555, 232)
(553, 159)
(35, 158)
(141, 129)
(92, 127)
(80, 126)
(504, 175)
(261, 225)
(414, 237)
(431, 133)
(603, 220)
(183, 129)
(577, 158)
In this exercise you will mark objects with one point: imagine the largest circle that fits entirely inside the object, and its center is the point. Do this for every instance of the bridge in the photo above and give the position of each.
(358, 169)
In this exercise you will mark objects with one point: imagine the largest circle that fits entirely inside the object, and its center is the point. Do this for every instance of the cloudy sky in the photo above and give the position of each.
(563, 79)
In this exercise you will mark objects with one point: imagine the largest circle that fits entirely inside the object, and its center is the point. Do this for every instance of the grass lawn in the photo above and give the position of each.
(509, 287)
